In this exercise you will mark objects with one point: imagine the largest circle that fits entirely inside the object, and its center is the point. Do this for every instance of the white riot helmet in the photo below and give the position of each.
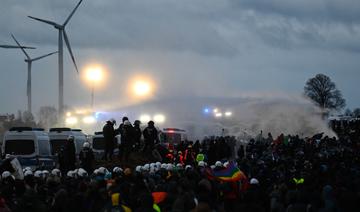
(56, 172)
(138, 169)
(117, 170)
(86, 145)
(28, 173)
(188, 167)
(38, 174)
(218, 164)
(5, 174)
(146, 167)
(226, 163)
(45, 173)
(254, 181)
(179, 166)
(163, 166)
(71, 174)
(82, 173)
(102, 170)
(201, 164)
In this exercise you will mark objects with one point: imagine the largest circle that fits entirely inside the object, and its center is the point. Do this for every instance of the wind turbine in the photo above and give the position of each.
(15, 47)
(62, 32)
(29, 61)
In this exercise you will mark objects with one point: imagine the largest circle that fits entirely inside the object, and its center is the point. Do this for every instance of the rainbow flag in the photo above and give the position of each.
(229, 174)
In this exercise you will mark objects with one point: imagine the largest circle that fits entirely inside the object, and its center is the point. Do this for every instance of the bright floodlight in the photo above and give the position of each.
(94, 74)
(159, 118)
(206, 110)
(141, 88)
(89, 120)
(218, 115)
(145, 118)
(216, 110)
(71, 120)
(228, 114)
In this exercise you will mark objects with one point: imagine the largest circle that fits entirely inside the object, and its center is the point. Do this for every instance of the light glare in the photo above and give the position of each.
(89, 120)
(145, 118)
(71, 120)
(159, 118)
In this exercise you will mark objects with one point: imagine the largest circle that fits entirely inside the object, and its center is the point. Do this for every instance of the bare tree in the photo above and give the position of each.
(348, 112)
(323, 92)
(356, 112)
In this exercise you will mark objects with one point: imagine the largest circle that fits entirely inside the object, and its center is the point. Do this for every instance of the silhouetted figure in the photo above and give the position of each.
(127, 139)
(109, 135)
(137, 134)
(70, 153)
(86, 157)
(150, 136)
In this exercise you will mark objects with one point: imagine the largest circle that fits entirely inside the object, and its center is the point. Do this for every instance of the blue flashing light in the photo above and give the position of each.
(206, 110)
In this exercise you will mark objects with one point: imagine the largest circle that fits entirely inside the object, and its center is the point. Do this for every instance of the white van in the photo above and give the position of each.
(97, 143)
(171, 137)
(30, 145)
(59, 137)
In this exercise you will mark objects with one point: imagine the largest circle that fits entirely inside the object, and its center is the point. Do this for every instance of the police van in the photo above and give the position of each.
(97, 143)
(171, 137)
(30, 145)
(59, 136)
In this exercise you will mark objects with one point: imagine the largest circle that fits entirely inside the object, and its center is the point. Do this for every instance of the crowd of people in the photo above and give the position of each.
(130, 137)
(284, 173)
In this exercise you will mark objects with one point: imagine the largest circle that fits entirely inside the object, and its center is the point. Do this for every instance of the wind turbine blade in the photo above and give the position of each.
(15, 47)
(28, 57)
(38, 58)
(72, 13)
(69, 48)
(45, 21)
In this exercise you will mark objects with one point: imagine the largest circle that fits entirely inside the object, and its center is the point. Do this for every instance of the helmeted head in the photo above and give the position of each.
(151, 123)
(86, 145)
(127, 123)
(201, 164)
(124, 119)
(137, 122)
(28, 173)
(117, 170)
(218, 164)
(254, 181)
(56, 172)
(6, 174)
(82, 173)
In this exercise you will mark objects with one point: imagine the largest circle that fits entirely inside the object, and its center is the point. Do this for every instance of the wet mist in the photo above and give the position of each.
(250, 116)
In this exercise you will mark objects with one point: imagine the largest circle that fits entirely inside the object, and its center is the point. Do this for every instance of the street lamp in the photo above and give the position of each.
(94, 75)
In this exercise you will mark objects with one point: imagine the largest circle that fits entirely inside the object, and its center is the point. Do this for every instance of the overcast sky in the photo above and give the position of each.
(189, 47)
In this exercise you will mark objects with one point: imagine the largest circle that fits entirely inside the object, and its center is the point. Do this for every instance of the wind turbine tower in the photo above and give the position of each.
(29, 61)
(61, 33)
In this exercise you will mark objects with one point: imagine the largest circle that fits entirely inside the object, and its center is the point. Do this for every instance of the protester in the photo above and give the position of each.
(109, 136)
(137, 134)
(289, 173)
(150, 134)
(127, 139)
(70, 153)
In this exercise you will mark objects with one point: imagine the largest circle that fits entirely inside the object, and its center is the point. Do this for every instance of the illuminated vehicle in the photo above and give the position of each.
(59, 136)
(171, 137)
(30, 145)
(97, 143)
